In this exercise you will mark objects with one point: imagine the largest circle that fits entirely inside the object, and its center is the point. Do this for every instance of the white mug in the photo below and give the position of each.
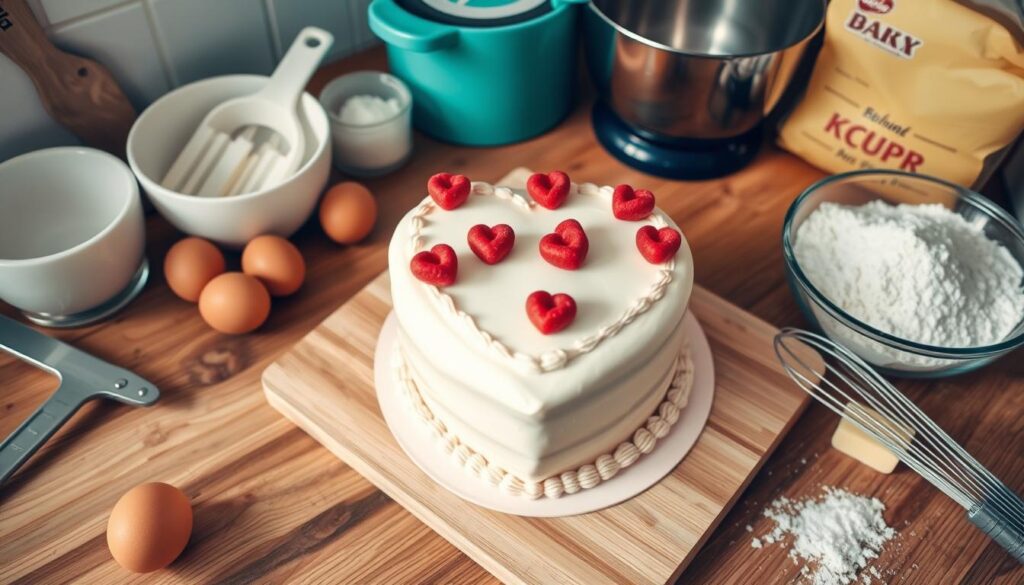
(72, 235)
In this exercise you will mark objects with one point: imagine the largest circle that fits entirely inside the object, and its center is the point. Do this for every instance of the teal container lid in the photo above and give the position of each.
(477, 13)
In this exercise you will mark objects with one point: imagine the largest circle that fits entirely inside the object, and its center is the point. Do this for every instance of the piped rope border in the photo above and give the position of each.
(557, 358)
(572, 481)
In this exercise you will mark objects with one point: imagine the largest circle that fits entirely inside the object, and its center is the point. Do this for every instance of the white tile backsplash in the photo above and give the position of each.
(203, 38)
(292, 16)
(152, 46)
(362, 35)
(61, 11)
(122, 41)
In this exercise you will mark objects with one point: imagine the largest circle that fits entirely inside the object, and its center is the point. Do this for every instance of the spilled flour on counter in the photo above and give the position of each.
(835, 536)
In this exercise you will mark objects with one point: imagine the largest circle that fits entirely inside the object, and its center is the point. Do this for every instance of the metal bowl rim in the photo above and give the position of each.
(703, 55)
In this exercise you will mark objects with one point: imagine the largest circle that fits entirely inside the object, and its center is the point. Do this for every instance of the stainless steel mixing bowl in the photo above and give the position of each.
(696, 69)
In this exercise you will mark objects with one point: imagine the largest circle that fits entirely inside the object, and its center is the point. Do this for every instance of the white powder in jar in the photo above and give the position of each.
(919, 272)
(365, 110)
(835, 536)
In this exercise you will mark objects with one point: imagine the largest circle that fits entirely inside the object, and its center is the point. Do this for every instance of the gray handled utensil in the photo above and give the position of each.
(82, 378)
(853, 384)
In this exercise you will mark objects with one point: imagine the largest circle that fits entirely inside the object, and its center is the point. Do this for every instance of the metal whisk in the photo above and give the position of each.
(849, 381)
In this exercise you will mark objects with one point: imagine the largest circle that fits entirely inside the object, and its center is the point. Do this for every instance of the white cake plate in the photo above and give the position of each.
(424, 449)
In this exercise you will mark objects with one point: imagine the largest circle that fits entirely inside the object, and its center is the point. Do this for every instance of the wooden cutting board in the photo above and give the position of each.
(325, 386)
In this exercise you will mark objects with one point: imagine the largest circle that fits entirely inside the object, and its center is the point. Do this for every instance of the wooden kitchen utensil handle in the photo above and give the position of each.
(80, 94)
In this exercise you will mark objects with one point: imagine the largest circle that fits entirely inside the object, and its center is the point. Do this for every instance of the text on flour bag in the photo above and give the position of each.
(923, 86)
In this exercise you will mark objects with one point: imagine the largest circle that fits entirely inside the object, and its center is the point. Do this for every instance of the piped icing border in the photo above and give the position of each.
(557, 358)
(572, 481)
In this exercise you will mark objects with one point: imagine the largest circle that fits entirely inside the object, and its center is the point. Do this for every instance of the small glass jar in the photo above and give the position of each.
(377, 148)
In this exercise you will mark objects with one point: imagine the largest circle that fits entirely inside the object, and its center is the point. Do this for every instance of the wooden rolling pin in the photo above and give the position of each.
(78, 93)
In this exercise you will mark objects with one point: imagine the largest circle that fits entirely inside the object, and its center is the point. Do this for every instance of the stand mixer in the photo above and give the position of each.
(684, 86)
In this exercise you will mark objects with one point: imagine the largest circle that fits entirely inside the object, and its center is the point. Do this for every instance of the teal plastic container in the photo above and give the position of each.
(483, 85)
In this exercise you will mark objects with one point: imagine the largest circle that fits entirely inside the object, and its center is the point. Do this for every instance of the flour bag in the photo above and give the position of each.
(925, 86)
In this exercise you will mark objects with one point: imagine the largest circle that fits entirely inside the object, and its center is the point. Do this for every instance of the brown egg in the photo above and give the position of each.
(276, 262)
(189, 265)
(149, 527)
(234, 303)
(348, 212)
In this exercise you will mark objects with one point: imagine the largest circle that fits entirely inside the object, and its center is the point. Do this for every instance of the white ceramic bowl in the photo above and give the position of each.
(163, 129)
(72, 235)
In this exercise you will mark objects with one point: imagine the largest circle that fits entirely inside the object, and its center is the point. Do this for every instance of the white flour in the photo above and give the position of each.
(919, 272)
(835, 536)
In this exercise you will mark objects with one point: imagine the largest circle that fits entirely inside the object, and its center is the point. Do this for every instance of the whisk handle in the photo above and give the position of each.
(999, 528)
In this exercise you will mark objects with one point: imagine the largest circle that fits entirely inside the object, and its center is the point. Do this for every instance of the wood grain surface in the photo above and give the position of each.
(325, 385)
(79, 93)
(273, 506)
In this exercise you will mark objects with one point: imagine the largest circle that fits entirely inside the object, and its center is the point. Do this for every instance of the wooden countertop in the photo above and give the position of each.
(271, 505)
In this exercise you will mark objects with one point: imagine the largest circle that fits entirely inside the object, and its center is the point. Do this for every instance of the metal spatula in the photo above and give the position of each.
(82, 378)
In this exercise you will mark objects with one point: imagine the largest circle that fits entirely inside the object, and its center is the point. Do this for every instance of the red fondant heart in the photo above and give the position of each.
(550, 313)
(491, 244)
(448, 191)
(567, 247)
(657, 246)
(438, 266)
(632, 205)
(550, 190)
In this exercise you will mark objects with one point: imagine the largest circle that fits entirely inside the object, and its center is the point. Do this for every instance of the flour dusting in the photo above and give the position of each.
(835, 536)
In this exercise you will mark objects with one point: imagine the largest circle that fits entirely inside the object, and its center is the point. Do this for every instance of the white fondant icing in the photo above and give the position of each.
(534, 448)
(672, 399)
(558, 356)
(544, 403)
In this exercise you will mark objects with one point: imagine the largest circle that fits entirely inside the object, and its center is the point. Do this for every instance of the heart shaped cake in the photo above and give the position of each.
(540, 330)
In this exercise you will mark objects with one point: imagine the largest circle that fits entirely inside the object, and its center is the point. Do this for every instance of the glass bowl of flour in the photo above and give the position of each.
(919, 277)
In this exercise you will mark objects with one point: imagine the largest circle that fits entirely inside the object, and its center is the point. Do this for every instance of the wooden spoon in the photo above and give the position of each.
(80, 94)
